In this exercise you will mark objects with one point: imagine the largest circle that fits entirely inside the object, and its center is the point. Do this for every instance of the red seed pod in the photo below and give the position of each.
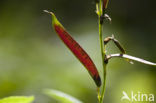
(105, 3)
(76, 49)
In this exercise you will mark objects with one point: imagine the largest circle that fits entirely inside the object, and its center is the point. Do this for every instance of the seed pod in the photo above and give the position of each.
(76, 49)
(105, 3)
(119, 46)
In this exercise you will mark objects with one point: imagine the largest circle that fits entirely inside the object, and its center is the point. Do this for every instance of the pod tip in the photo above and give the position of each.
(97, 80)
(46, 11)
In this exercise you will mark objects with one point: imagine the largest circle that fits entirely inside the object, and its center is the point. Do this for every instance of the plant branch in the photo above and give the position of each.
(116, 42)
(130, 58)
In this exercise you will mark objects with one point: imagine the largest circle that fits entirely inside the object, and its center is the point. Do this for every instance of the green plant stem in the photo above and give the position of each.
(104, 84)
(98, 94)
(103, 61)
(103, 52)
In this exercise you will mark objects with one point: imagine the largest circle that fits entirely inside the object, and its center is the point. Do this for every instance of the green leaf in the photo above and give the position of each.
(61, 97)
(17, 99)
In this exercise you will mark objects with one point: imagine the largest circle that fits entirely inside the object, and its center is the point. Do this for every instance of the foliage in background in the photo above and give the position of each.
(17, 99)
(60, 96)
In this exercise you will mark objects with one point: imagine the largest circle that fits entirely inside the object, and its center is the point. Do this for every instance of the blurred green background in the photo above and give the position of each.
(33, 58)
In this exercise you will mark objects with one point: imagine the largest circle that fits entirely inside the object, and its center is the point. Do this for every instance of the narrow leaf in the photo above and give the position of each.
(60, 96)
(17, 99)
(131, 58)
(76, 49)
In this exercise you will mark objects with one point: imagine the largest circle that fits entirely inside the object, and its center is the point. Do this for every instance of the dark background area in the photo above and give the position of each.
(33, 58)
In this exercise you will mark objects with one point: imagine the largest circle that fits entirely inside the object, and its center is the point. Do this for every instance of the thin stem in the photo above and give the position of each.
(100, 8)
(101, 42)
(98, 94)
(102, 54)
(129, 57)
(103, 51)
(104, 83)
